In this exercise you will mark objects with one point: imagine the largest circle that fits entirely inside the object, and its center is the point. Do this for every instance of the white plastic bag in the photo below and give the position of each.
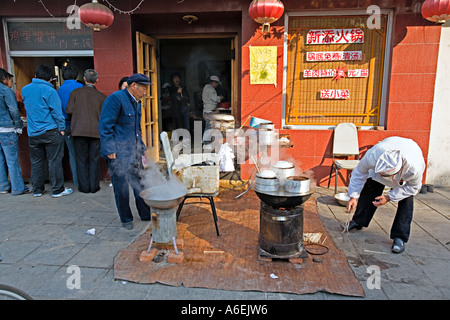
(226, 156)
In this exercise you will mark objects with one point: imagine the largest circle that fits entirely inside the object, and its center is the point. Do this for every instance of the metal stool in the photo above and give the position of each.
(211, 201)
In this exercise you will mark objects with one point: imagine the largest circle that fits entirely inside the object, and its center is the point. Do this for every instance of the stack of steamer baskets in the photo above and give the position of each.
(282, 196)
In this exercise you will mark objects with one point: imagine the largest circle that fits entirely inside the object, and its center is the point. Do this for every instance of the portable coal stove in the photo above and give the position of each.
(163, 217)
(281, 224)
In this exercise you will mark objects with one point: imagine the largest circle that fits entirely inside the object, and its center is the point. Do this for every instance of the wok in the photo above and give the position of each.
(154, 198)
(283, 199)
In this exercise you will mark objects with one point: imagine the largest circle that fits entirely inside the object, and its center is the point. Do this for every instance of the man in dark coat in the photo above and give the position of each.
(122, 145)
(84, 108)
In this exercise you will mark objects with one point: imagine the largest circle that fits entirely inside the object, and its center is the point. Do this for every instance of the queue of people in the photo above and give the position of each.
(74, 114)
(48, 126)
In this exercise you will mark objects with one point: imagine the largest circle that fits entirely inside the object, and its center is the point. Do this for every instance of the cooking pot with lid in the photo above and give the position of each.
(283, 170)
(266, 181)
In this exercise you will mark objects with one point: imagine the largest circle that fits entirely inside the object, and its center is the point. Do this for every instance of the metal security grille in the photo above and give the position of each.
(316, 94)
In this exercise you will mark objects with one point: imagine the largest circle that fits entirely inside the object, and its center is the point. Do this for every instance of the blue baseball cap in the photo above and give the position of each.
(138, 78)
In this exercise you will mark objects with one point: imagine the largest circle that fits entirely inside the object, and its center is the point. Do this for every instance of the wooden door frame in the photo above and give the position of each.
(150, 101)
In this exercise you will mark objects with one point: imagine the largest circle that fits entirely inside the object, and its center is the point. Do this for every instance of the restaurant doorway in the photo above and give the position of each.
(24, 68)
(195, 59)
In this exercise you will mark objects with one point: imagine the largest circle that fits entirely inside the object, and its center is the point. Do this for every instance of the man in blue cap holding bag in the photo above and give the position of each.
(122, 145)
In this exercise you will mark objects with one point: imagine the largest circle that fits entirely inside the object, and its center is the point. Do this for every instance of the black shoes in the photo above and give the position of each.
(353, 225)
(398, 246)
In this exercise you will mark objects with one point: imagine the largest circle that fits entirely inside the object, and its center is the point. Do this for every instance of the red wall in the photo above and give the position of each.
(113, 54)
(410, 101)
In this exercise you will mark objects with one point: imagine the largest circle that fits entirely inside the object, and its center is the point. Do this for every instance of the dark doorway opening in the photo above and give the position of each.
(194, 60)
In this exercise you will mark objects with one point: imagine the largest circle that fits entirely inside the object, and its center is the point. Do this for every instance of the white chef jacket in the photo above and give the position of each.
(210, 98)
(404, 184)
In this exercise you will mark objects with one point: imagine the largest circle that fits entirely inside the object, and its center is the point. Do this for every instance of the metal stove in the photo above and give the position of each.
(281, 224)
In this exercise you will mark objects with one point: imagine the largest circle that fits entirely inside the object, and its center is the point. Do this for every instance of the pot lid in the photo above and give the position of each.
(266, 174)
(283, 165)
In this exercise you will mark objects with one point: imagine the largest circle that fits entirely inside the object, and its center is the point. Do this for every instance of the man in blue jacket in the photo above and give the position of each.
(45, 127)
(122, 146)
(69, 74)
(10, 127)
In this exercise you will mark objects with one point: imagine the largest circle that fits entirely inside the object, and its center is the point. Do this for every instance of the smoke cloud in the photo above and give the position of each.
(162, 186)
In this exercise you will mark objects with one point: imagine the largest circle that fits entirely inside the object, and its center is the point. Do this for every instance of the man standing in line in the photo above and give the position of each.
(394, 162)
(10, 127)
(84, 108)
(45, 127)
(69, 74)
(122, 145)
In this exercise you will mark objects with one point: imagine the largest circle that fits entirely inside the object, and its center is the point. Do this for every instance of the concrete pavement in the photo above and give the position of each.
(44, 240)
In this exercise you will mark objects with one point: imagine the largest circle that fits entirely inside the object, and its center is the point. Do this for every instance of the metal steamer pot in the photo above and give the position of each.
(266, 181)
(283, 170)
(297, 184)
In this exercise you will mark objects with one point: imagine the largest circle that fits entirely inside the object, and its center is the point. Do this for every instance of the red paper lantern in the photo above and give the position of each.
(266, 12)
(436, 10)
(96, 15)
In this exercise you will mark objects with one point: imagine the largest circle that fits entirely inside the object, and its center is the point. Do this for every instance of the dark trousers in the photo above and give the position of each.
(87, 155)
(181, 118)
(365, 210)
(124, 175)
(50, 146)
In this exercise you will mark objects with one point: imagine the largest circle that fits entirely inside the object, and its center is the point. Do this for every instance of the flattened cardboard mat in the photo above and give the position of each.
(230, 261)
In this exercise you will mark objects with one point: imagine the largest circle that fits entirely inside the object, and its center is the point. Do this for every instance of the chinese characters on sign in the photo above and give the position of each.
(358, 73)
(335, 94)
(325, 73)
(331, 73)
(51, 35)
(335, 36)
(334, 56)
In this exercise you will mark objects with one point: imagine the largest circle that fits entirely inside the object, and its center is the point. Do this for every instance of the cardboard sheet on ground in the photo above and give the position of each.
(230, 261)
